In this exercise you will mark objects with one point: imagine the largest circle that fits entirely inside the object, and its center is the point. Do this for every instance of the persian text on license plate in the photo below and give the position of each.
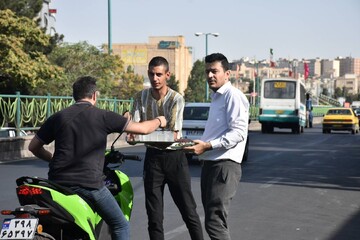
(19, 228)
(194, 132)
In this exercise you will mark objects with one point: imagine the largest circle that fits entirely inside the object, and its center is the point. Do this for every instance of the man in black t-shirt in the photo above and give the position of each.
(80, 134)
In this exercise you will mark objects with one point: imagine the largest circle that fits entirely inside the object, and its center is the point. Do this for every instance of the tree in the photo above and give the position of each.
(325, 91)
(173, 83)
(251, 86)
(23, 65)
(195, 91)
(23, 8)
(338, 92)
(344, 91)
(130, 84)
(84, 59)
(31, 10)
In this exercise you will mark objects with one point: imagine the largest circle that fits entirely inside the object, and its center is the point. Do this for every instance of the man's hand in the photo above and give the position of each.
(127, 115)
(162, 120)
(199, 148)
(130, 138)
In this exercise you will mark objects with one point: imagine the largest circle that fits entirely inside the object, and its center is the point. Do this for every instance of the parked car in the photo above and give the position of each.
(357, 113)
(355, 104)
(6, 132)
(340, 119)
(194, 120)
(195, 117)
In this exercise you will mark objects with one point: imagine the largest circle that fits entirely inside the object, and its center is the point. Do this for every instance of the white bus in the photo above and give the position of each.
(282, 105)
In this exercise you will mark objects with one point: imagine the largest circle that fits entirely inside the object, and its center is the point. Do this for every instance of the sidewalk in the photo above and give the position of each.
(254, 125)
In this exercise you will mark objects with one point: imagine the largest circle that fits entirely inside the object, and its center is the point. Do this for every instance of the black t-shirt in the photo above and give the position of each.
(80, 133)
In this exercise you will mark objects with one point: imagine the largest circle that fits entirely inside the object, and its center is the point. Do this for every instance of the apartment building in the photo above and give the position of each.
(47, 17)
(314, 67)
(173, 48)
(330, 68)
(349, 65)
(350, 81)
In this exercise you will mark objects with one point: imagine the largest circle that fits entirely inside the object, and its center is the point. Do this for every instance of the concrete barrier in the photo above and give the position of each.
(16, 148)
(255, 125)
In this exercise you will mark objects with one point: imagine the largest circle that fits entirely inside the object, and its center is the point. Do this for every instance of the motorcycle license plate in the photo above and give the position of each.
(19, 228)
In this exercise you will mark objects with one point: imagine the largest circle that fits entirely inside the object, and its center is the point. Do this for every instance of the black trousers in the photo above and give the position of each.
(169, 167)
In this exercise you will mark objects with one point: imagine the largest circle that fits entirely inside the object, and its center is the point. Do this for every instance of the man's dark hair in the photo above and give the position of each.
(84, 87)
(158, 61)
(218, 57)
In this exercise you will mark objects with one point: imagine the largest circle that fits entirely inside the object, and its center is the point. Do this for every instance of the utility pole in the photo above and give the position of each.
(109, 28)
(206, 53)
(257, 85)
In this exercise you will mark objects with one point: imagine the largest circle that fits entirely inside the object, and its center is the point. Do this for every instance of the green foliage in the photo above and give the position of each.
(338, 92)
(251, 86)
(82, 59)
(31, 10)
(341, 92)
(352, 97)
(23, 66)
(23, 8)
(130, 84)
(195, 91)
(173, 83)
(325, 91)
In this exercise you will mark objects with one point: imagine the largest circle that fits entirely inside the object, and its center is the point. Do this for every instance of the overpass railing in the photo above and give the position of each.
(28, 112)
(329, 101)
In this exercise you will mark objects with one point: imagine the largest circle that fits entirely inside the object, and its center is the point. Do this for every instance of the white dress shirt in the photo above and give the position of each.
(227, 125)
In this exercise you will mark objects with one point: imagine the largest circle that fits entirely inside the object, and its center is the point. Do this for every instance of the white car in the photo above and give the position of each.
(194, 120)
(6, 132)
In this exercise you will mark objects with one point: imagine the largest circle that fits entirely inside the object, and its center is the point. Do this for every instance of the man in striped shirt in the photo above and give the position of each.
(163, 165)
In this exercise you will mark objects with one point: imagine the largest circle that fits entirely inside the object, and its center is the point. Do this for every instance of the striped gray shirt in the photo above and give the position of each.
(146, 107)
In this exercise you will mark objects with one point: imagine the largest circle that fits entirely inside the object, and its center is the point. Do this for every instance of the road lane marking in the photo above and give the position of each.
(271, 182)
(176, 232)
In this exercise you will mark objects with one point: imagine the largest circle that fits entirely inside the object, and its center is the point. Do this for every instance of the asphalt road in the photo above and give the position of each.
(297, 187)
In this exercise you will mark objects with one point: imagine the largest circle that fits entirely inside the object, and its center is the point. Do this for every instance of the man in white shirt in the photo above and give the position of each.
(222, 146)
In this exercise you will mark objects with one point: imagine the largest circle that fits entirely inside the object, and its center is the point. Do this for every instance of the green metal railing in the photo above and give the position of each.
(329, 101)
(254, 112)
(28, 112)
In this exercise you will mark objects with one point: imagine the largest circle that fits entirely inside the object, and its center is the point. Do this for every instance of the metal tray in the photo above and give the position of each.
(157, 137)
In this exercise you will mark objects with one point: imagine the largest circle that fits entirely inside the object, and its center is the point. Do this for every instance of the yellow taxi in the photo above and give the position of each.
(340, 119)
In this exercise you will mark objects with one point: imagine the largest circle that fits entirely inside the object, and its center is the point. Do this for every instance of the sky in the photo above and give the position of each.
(294, 29)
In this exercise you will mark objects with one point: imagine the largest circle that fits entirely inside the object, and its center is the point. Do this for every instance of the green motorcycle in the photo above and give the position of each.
(50, 211)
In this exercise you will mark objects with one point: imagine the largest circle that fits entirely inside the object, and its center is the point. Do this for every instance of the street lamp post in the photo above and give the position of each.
(109, 28)
(206, 53)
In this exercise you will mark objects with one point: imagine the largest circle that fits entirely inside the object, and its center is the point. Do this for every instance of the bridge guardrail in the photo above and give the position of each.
(27, 112)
